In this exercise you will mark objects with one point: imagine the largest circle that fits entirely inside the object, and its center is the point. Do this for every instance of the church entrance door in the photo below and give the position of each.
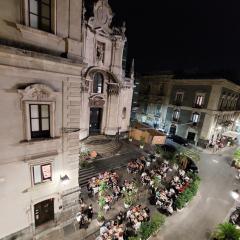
(95, 120)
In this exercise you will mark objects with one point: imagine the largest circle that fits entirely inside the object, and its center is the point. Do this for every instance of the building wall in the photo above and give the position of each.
(211, 119)
(18, 155)
(30, 56)
(190, 92)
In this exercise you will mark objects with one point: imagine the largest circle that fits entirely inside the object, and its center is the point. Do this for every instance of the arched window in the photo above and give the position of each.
(98, 83)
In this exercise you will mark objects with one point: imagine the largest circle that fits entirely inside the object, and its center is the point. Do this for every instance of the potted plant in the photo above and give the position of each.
(101, 201)
(156, 182)
(226, 231)
(142, 142)
(130, 197)
(236, 158)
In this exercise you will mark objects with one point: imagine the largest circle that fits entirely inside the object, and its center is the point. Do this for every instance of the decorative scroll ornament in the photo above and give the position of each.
(96, 102)
(37, 92)
(85, 86)
(113, 89)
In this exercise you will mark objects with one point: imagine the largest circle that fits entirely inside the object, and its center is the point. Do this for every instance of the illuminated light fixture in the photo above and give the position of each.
(235, 194)
(65, 179)
(219, 128)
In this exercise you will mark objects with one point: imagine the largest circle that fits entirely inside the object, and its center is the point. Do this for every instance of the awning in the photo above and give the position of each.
(231, 134)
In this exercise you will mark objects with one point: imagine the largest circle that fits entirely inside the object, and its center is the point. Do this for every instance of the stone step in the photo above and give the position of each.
(83, 180)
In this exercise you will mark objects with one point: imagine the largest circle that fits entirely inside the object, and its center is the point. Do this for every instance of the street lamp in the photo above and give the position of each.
(65, 179)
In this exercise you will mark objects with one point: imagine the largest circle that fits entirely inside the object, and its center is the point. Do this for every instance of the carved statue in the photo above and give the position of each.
(100, 52)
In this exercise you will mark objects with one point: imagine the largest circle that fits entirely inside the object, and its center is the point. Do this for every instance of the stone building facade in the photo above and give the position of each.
(197, 109)
(57, 69)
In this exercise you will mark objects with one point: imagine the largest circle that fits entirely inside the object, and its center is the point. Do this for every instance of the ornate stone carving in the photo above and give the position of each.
(85, 86)
(100, 52)
(37, 92)
(96, 101)
(102, 16)
(113, 89)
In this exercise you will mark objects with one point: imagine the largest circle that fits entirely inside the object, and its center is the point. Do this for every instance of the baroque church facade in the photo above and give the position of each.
(61, 79)
(108, 91)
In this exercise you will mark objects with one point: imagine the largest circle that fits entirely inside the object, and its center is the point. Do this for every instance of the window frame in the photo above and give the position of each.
(199, 94)
(182, 96)
(96, 83)
(27, 119)
(40, 133)
(39, 15)
(41, 164)
(174, 115)
(193, 116)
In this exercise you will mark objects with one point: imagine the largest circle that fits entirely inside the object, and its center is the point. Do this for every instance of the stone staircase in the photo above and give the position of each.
(103, 145)
(104, 165)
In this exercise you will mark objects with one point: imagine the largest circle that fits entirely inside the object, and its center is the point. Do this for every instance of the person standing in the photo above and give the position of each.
(90, 213)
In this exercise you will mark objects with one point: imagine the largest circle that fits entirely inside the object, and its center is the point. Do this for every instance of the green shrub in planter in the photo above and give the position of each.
(84, 164)
(226, 231)
(149, 228)
(189, 193)
(134, 238)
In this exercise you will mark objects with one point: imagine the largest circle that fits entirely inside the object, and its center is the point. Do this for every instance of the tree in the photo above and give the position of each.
(226, 231)
(236, 158)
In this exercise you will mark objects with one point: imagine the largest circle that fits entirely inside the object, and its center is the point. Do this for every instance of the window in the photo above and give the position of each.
(199, 100)
(39, 120)
(98, 83)
(176, 115)
(179, 97)
(42, 173)
(195, 117)
(40, 14)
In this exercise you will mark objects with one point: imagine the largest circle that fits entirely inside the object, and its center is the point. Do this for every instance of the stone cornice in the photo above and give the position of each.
(17, 57)
(203, 110)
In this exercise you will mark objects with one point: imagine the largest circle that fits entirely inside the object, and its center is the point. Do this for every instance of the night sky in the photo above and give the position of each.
(181, 35)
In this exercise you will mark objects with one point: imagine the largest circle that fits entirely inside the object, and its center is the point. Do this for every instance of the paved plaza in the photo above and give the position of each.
(212, 205)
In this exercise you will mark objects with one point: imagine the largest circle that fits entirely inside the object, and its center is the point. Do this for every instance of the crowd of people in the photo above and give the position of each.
(136, 166)
(111, 230)
(162, 195)
(148, 176)
(110, 178)
(85, 215)
(136, 215)
(165, 197)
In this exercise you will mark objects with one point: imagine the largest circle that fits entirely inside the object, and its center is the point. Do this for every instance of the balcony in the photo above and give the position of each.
(151, 98)
(195, 105)
(177, 103)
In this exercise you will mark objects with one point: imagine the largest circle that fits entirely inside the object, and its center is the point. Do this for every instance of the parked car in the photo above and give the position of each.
(168, 148)
(191, 166)
(179, 140)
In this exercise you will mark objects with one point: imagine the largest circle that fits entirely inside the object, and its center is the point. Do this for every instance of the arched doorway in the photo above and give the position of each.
(95, 120)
